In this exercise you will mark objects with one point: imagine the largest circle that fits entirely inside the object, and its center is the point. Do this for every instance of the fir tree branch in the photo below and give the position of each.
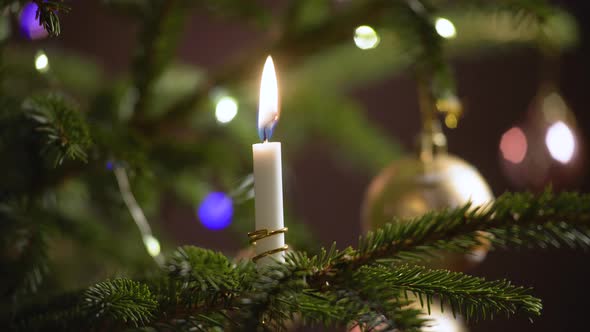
(120, 300)
(46, 13)
(65, 133)
(512, 220)
(203, 291)
(470, 296)
(23, 248)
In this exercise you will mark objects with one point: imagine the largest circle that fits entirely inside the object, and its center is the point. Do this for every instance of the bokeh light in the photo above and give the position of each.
(445, 28)
(226, 109)
(152, 245)
(366, 37)
(216, 211)
(41, 62)
(451, 121)
(29, 25)
(513, 145)
(442, 322)
(467, 188)
(560, 142)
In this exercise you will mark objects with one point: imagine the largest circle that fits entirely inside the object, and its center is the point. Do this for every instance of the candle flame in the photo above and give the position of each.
(268, 109)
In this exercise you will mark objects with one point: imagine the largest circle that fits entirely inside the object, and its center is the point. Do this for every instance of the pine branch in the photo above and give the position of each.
(47, 15)
(203, 291)
(470, 296)
(23, 245)
(120, 300)
(512, 220)
(65, 133)
(202, 269)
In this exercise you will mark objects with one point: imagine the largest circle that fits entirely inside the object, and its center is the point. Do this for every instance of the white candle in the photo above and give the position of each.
(268, 180)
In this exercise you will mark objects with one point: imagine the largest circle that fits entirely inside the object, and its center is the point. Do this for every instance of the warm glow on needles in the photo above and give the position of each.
(561, 142)
(268, 109)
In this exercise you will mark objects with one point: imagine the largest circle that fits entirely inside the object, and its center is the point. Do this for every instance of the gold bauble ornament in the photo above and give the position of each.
(412, 187)
(437, 320)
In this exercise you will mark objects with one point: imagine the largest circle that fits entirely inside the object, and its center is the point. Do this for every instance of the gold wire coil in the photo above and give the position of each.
(264, 233)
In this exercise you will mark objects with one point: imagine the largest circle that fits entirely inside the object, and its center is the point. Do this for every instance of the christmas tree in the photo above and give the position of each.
(106, 161)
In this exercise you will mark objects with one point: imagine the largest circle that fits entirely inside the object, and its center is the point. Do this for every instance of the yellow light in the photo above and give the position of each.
(561, 142)
(152, 245)
(41, 62)
(451, 121)
(226, 109)
(366, 37)
(268, 109)
(445, 28)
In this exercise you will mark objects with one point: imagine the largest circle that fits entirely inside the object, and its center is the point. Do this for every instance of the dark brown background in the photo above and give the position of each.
(498, 89)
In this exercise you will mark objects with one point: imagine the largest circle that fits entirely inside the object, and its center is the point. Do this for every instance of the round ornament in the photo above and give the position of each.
(411, 187)
(546, 148)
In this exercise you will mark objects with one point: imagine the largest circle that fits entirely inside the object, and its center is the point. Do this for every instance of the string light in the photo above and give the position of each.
(445, 28)
(226, 109)
(216, 211)
(41, 62)
(152, 245)
(366, 37)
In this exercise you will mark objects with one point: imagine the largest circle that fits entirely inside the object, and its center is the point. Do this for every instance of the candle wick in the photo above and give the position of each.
(265, 135)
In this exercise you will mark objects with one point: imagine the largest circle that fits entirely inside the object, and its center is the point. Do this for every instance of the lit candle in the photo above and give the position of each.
(268, 180)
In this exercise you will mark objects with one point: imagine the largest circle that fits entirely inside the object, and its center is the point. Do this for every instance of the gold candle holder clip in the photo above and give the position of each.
(264, 233)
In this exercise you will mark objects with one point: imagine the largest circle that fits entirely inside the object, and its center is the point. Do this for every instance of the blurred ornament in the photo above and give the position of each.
(216, 211)
(442, 321)
(29, 22)
(436, 180)
(436, 321)
(411, 187)
(545, 149)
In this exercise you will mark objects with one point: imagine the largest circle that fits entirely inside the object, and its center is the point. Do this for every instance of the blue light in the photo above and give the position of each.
(110, 165)
(216, 211)
(29, 24)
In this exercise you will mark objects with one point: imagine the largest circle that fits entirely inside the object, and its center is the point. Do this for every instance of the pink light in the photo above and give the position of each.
(513, 145)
